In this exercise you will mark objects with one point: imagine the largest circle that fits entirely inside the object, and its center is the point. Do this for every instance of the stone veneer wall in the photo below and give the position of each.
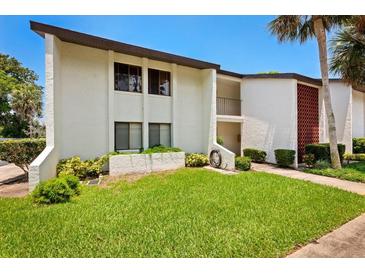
(145, 163)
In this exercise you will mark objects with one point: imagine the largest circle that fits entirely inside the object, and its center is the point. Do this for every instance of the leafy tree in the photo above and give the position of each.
(301, 28)
(348, 52)
(20, 98)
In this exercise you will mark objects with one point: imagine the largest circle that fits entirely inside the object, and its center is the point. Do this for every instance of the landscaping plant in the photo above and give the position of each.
(284, 157)
(220, 140)
(358, 145)
(256, 155)
(309, 159)
(21, 152)
(196, 160)
(243, 163)
(53, 191)
(321, 151)
(161, 149)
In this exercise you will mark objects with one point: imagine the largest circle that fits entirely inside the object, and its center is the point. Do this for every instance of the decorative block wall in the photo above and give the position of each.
(308, 118)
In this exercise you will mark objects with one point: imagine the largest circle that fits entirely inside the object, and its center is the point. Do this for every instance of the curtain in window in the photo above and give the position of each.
(135, 136)
(121, 136)
(165, 135)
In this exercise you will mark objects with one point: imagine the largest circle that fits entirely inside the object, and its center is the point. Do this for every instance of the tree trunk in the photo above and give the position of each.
(322, 46)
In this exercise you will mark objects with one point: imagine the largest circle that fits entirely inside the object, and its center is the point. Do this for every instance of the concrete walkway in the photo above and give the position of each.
(222, 171)
(348, 241)
(358, 188)
(10, 173)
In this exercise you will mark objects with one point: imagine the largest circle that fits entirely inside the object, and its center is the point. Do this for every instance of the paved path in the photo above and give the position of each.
(348, 241)
(10, 173)
(14, 190)
(358, 188)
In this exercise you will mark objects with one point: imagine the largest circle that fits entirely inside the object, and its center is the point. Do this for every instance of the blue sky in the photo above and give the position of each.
(238, 43)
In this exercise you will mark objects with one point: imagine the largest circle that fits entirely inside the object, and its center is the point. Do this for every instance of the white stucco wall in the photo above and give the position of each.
(44, 166)
(358, 114)
(269, 108)
(341, 97)
(84, 102)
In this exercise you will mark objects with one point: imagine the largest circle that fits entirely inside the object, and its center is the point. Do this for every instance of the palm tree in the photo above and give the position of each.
(301, 28)
(348, 52)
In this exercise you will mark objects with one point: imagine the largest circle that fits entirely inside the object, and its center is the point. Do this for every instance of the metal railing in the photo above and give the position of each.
(228, 106)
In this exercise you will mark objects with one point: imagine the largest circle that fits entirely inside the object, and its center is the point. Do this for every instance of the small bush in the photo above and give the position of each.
(322, 164)
(243, 163)
(309, 160)
(82, 169)
(21, 152)
(73, 182)
(220, 140)
(284, 157)
(358, 145)
(322, 151)
(196, 160)
(161, 149)
(256, 155)
(52, 191)
(354, 157)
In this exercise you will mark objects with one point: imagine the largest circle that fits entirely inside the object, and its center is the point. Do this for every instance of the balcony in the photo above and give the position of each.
(228, 106)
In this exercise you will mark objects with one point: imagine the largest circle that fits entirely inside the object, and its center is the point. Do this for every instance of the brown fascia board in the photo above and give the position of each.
(106, 44)
(230, 73)
(298, 77)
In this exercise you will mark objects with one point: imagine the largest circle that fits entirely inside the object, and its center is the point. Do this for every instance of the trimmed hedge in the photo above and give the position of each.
(52, 191)
(322, 151)
(161, 149)
(21, 152)
(256, 155)
(196, 160)
(284, 157)
(243, 163)
(358, 145)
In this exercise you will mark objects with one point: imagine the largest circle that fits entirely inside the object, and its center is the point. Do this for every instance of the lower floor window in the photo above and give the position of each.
(128, 136)
(159, 134)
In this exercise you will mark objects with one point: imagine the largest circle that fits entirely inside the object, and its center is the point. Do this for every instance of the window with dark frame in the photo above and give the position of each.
(159, 82)
(127, 136)
(127, 78)
(159, 134)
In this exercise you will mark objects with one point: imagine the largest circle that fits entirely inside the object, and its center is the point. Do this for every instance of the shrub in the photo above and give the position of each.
(21, 152)
(161, 149)
(284, 157)
(322, 164)
(196, 160)
(309, 159)
(256, 155)
(322, 151)
(73, 182)
(52, 191)
(358, 145)
(243, 163)
(354, 157)
(220, 140)
(82, 169)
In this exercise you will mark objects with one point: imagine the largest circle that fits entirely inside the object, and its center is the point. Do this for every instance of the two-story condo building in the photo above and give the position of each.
(103, 96)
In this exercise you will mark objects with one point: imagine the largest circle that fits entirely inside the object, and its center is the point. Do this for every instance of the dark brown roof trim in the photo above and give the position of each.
(106, 44)
(296, 76)
(230, 73)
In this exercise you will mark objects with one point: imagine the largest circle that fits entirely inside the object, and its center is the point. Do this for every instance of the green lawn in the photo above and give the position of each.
(190, 213)
(352, 172)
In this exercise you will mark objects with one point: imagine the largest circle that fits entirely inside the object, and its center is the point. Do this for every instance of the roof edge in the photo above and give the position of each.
(88, 40)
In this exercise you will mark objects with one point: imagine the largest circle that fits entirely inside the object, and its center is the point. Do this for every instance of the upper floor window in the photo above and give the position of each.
(158, 82)
(127, 77)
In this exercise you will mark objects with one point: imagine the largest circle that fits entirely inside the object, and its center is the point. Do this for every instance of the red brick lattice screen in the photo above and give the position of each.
(308, 118)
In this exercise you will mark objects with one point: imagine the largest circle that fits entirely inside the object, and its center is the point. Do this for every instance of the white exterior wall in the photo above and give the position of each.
(341, 96)
(44, 166)
(82, 105)
(269, 108)
(358, 114)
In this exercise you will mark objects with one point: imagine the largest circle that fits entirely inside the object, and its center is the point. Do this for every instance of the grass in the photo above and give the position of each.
(189, 213)
(352, 172)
